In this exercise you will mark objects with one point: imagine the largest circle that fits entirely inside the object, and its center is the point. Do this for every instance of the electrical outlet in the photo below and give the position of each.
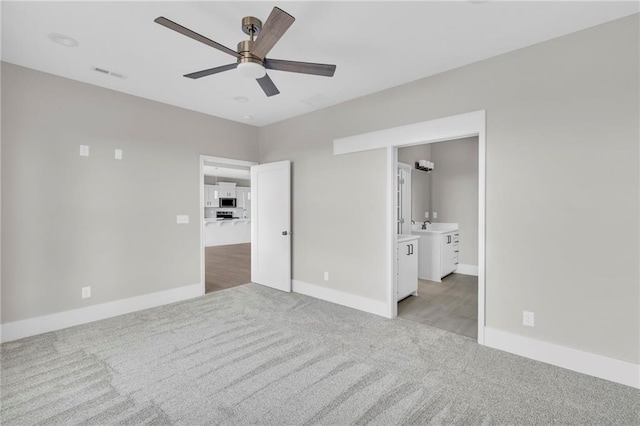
(435, 215)
(326, 276)
(182, 219)
(118, 154)
(86, 292)
(426, 215)
(84, 150)
(528, 318)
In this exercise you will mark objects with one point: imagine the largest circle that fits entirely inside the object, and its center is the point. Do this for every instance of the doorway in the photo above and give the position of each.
(440, 209)
(437, 130)
(226, 214)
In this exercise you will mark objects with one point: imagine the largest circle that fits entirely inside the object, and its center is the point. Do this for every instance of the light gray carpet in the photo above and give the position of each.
(252, 355)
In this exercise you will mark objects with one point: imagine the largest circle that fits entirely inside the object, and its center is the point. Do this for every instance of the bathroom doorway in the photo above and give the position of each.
(442, 210)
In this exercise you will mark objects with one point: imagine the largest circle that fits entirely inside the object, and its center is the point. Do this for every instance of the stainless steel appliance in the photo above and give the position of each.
(228, 202)
(224, 215)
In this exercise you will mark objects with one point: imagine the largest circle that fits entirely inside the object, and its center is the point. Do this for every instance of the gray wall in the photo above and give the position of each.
(562, 161)
(454, 191)
(420, 181)
(70, 221)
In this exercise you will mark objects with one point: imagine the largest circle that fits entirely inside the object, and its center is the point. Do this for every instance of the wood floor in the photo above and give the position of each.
(451, 305)
(227, 266)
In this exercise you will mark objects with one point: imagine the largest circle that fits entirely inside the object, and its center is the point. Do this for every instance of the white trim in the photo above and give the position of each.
(392, 213)
(46, 323)
(600, 366)
(465, 269)
(442, 129)
(338, 297)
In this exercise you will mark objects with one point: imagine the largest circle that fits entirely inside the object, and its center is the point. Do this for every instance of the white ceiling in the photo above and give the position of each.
(375, 45)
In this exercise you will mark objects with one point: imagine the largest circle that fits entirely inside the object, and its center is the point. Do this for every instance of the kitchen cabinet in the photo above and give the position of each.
(243, 197)
(227, 190)
(407, 266)
(211, 193)
(438, 254)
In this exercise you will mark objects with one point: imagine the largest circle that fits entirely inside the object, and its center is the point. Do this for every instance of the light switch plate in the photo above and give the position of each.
(326, 276)
(182, 218)
(435, 215)
(84, 150)
(426, 215)
(86, 292)
(118, 154)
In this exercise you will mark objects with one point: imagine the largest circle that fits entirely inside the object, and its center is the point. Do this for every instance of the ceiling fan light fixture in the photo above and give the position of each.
(251, 70)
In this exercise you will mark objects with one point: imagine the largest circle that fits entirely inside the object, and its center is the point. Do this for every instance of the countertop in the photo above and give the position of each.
(221, 222)
(403, 238)
(434, 228)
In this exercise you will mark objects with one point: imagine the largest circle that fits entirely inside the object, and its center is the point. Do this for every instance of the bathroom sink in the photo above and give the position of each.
(435, 228)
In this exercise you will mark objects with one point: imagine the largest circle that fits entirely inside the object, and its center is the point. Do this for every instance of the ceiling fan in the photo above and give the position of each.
(251, 57)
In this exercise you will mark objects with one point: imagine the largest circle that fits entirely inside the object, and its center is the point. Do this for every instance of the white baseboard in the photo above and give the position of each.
(600, 366)
(465, 269)
(32, 326)
(338, 297)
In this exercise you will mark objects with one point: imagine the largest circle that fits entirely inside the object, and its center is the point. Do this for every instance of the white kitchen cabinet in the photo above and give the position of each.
(227, 189)
(407, 267)
(243, 196)
(211, 195)
(438, 254)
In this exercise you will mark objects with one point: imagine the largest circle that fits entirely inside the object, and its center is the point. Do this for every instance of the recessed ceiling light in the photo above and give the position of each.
(63, 40)
(248, 117)
(241, 99)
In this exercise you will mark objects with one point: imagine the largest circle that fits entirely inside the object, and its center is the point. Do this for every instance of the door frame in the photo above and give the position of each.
(453, 127)
(220, 160)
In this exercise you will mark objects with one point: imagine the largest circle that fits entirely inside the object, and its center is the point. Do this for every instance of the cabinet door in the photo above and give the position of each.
(243, 195)
(407, 255)
(447, 254)
(211, 196)
(227, 190)
(207, 195)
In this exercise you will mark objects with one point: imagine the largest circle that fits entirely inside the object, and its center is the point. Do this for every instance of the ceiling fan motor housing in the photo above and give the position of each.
(244, 49)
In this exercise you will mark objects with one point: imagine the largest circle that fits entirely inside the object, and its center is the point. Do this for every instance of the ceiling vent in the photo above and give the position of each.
(111, 73)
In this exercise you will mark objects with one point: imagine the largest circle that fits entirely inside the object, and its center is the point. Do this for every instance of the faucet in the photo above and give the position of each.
(424, 224)
(413, 222)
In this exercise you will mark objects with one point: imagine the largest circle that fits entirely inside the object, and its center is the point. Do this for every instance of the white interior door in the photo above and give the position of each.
(271, 225)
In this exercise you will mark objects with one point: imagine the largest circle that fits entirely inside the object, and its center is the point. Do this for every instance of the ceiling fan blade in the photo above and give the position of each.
(276, 25)
(300, 67)
(267, 85)
(216, 70)
(192, 34)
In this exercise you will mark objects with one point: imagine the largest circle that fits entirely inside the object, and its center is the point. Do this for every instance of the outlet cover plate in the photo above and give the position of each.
(86, 292)
(528, 318)
(182, 219)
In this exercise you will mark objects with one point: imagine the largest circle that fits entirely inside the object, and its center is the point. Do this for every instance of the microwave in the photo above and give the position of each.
(228, 202)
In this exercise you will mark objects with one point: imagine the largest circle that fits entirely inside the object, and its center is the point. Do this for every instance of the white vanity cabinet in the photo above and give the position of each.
(407, 267)
(211, 195)
(438, 254)
(449, 253)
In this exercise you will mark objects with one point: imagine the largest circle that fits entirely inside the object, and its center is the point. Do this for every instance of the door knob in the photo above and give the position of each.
(285, 233)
